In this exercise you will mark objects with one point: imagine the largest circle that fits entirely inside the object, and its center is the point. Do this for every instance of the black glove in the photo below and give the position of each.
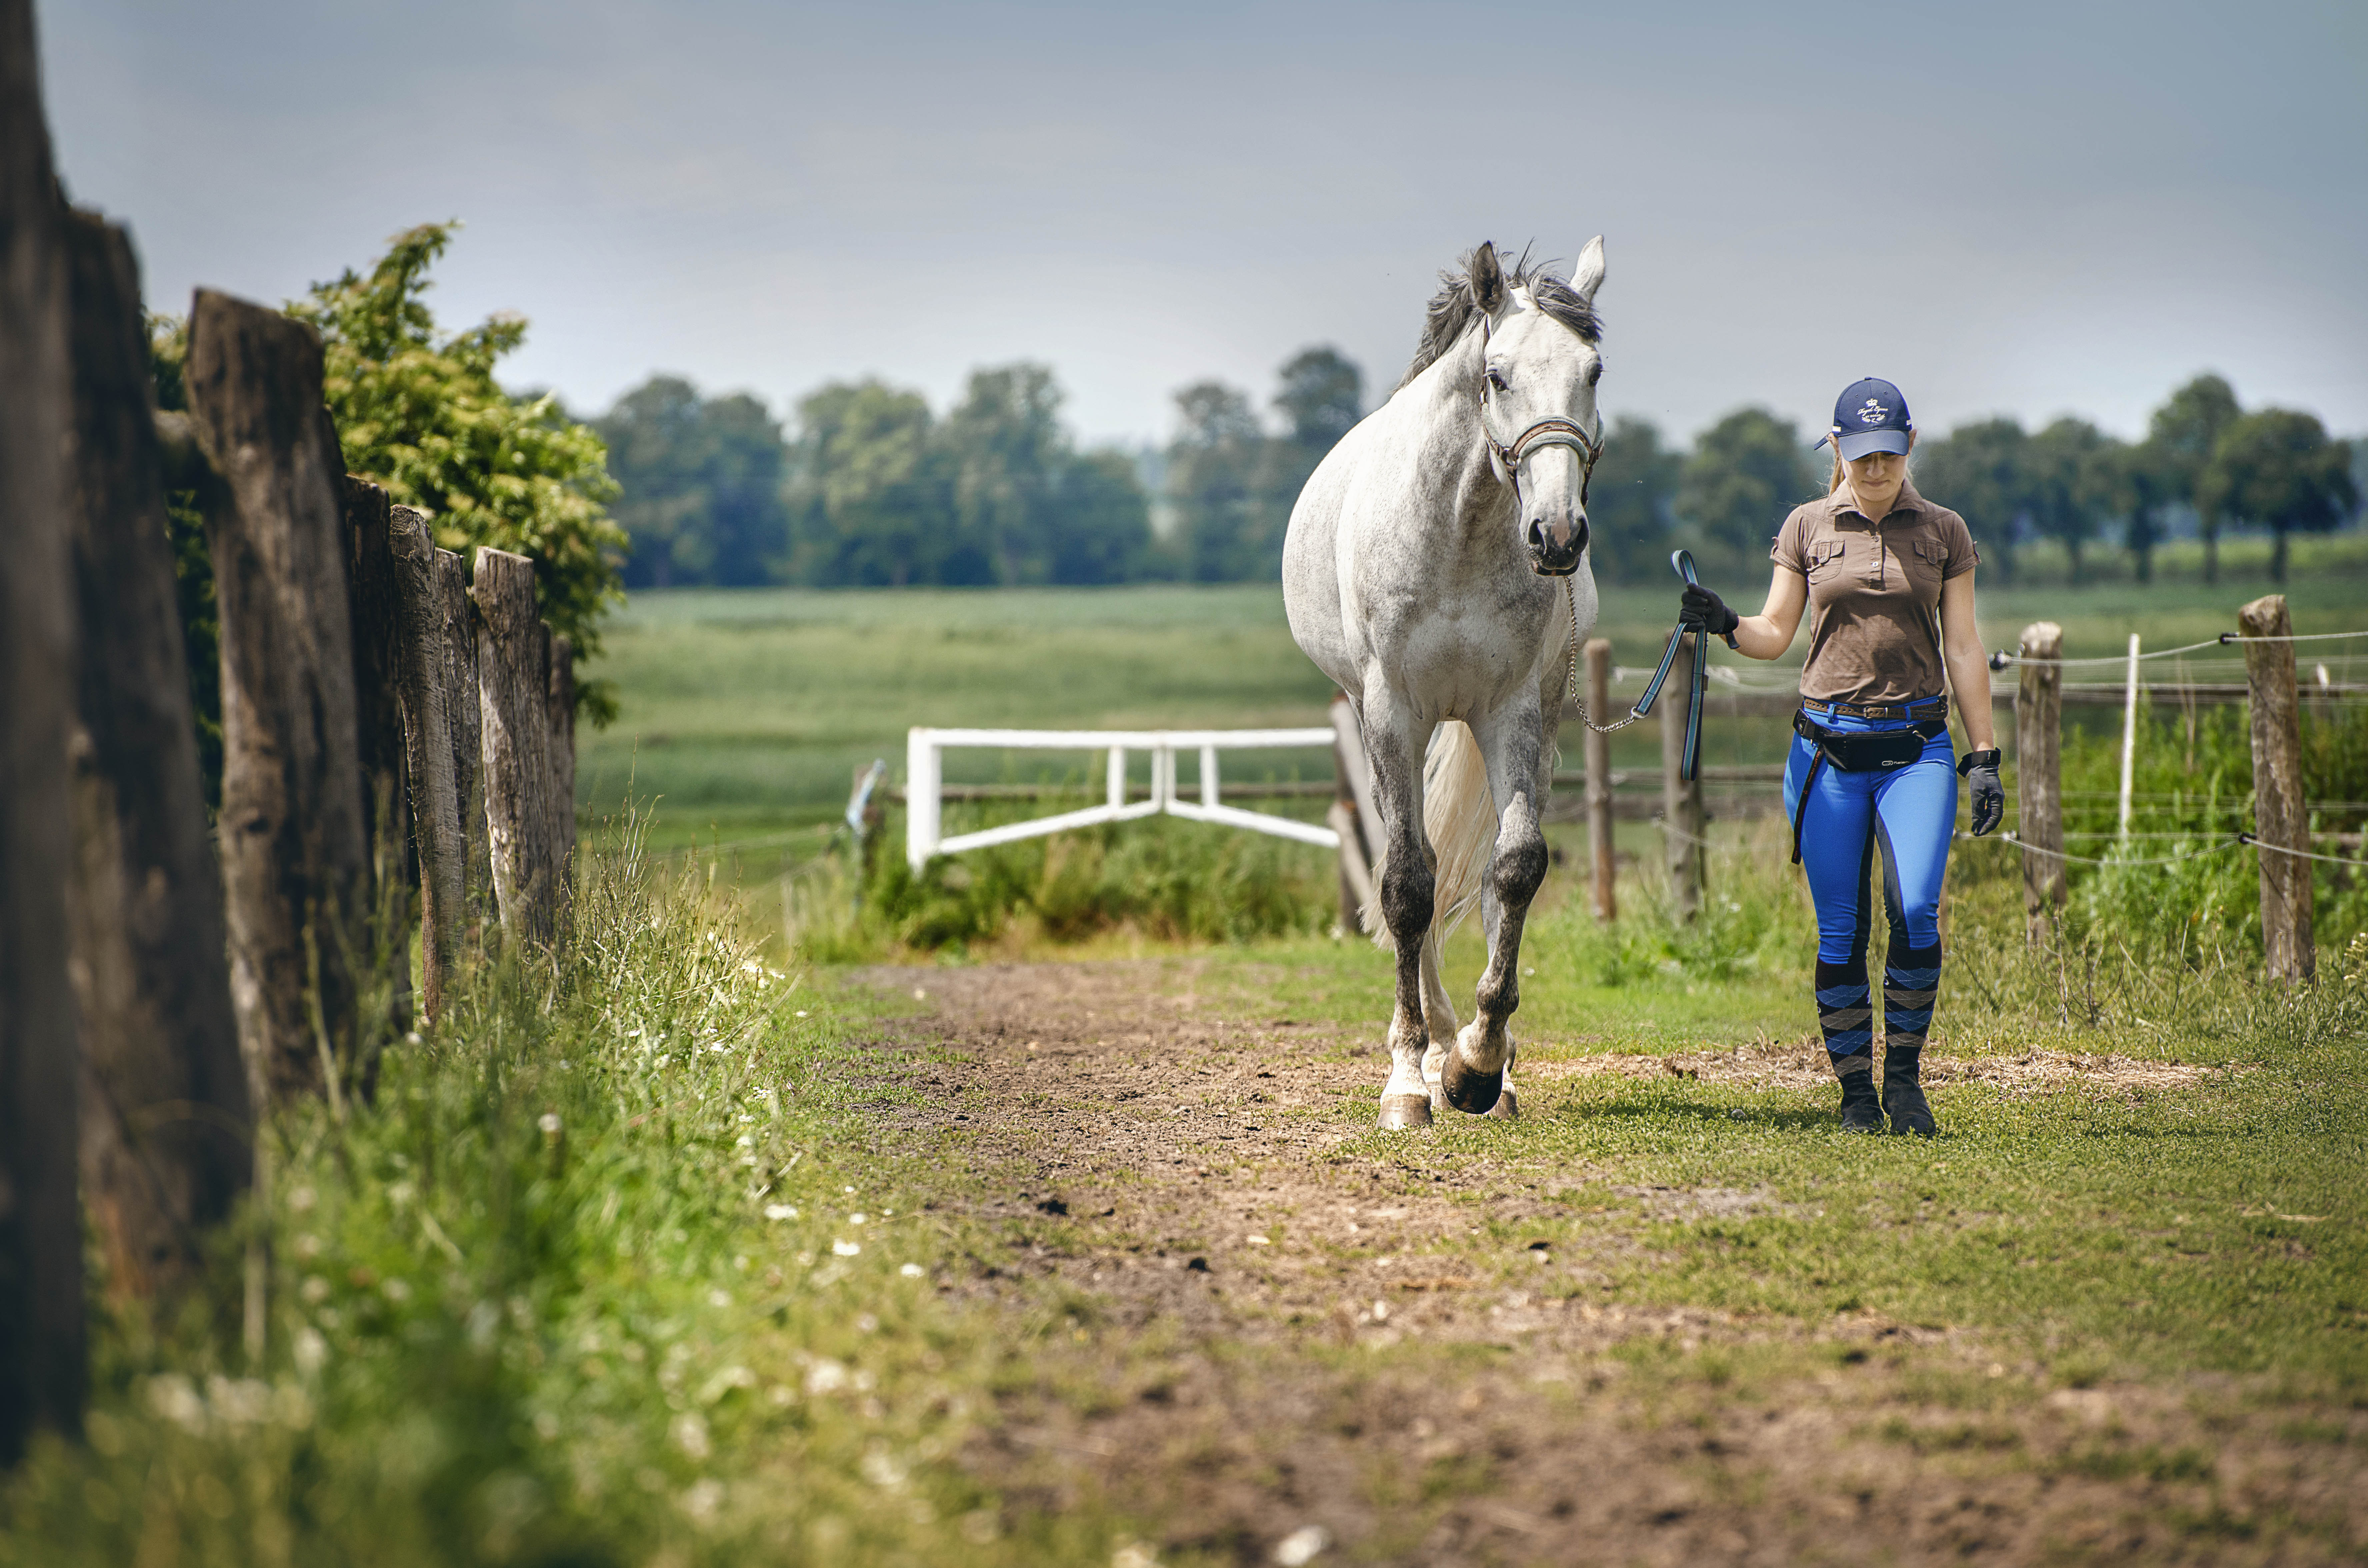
(1700, 607)
(1981, 769)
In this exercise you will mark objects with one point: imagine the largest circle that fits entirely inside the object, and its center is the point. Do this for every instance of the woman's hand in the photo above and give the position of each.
(1698, 606)
(1980, 771)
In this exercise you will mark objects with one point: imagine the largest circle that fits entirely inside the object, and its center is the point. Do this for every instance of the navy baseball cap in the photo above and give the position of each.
(1869, 417)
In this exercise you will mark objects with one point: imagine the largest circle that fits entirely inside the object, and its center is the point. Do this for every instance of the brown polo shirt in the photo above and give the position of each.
(1874, 596)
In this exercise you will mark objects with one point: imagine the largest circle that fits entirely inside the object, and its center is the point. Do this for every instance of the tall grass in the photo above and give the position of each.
(601, 1274)
(1160, 878)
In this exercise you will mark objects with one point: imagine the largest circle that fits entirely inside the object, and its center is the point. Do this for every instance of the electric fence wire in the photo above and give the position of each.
(2003, 659)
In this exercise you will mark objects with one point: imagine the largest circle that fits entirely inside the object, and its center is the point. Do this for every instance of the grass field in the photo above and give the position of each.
(745, 712)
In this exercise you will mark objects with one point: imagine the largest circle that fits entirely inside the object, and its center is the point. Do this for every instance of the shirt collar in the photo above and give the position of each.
(1906, 501)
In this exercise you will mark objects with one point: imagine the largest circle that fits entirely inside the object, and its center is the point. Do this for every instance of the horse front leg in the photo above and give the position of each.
(1395, 740)
(1477, 1070)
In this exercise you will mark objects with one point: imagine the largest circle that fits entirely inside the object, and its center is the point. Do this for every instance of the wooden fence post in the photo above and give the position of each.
(2278, 816)
(1681, 800)
(294, 852)
(378, 717)
(466, 725)
(1351, 815)
(165, 1119)
(41, 1343)
(2039, 774)
(1602, 862)
(513, 686)
(428, 749)
(560, 698)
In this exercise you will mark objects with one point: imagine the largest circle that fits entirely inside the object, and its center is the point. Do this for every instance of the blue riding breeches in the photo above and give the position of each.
(1912, 813)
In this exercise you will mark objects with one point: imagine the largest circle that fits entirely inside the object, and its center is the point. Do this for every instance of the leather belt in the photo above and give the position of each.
(1923, 707)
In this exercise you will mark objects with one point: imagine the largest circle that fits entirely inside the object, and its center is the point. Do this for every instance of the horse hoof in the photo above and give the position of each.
(1507, 1107)
(1474, 1094)
(1403, 1113)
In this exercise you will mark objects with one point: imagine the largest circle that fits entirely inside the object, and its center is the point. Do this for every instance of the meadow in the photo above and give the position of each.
(744, 713)
(1031, 1210)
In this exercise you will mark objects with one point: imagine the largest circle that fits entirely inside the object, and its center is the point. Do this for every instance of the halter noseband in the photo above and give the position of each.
(1544, 433)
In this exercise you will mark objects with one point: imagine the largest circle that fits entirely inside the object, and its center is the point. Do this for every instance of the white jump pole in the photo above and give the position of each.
(921, 762)
(2129, 736)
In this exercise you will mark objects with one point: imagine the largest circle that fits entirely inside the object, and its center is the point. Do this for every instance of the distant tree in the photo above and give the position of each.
(2180, 437)
(2147, 492)
(1746, 473)
(1005, 450)
(1629, 502)
(2277, 469)
(1101, 528)
(1321, 397)
(870, 500)
(2076, 483)
(699, 485)
(1213, 472)
(1982, 471)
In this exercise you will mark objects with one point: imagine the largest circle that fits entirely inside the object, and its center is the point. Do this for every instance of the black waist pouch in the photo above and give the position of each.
(1876, 751)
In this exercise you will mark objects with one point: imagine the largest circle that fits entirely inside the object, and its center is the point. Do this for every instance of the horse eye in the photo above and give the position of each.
(1595, 373)
(1496, 378)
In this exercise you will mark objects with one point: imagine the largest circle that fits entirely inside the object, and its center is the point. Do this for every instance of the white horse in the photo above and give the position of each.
(1436, 570)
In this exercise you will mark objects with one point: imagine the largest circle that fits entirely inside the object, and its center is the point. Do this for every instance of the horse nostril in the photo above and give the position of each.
(1538, 535)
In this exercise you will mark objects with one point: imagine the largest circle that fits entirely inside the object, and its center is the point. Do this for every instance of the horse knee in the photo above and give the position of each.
(1519, 869)
(1407, 889)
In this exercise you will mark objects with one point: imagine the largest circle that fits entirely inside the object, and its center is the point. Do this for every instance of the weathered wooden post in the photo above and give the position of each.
(1603, 864)
(466, 725)
(560, 699)
(1681, 799)
(2039, 774)
(41, 1343)
(513, 686)
(428, 749)
(1351, 815)
(295, 853)
(2279, 820)
(166, 1141)
(378, 716)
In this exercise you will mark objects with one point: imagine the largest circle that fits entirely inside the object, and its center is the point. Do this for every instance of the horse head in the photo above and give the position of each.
(1539, 363)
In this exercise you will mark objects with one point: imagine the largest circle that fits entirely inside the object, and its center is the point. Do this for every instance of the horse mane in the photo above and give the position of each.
(1452, 311)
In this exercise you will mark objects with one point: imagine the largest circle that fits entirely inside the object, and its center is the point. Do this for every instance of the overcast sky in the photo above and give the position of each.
(2029, 210)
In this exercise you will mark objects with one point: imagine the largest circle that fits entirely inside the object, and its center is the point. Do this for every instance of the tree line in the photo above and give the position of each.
(868, 486)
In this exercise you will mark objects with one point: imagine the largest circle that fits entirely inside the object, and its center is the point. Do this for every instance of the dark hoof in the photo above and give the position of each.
(1507, 1106)
(1402, 1113)
(1474, 1094)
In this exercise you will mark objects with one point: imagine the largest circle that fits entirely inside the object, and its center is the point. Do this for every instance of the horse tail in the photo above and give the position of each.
(1459, 819)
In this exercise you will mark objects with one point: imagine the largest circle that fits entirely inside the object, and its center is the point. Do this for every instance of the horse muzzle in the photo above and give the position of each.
(1555, 548)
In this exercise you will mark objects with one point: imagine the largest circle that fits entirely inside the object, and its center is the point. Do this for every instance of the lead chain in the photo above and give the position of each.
(1570, 678)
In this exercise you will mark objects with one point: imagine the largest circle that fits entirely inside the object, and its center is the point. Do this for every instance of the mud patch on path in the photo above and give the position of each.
(1262, 1321)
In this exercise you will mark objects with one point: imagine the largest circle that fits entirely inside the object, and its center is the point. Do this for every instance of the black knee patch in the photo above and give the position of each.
(1407, 889)
(1520, 870)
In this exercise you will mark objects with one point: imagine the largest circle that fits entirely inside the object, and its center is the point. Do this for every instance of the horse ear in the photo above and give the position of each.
(1488, 278)
(1589, 276)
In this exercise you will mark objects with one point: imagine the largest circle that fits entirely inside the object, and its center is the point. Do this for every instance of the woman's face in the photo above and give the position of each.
(1880, 474)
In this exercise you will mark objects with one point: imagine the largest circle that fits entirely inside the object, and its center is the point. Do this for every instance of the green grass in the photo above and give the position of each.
(747, 711)
(606, 1274)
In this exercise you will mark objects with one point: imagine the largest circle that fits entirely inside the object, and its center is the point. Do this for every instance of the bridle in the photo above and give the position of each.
(1544, 433)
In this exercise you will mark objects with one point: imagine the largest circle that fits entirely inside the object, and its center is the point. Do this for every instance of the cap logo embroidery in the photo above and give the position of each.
(1872, 413)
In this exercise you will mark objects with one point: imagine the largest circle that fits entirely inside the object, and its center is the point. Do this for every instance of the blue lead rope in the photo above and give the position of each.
(1690, 760)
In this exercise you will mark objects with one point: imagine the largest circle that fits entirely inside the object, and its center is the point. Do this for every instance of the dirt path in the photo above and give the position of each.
(1276, 1324)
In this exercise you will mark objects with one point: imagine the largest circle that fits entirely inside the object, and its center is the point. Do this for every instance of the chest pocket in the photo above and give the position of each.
(1924, 560)
(1824, 559)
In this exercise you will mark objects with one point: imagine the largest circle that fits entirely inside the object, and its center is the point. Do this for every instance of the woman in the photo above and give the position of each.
(1887, 578)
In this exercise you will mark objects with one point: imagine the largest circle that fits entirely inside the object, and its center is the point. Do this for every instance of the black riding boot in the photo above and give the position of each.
(1912, 979)
(1846, 1015)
